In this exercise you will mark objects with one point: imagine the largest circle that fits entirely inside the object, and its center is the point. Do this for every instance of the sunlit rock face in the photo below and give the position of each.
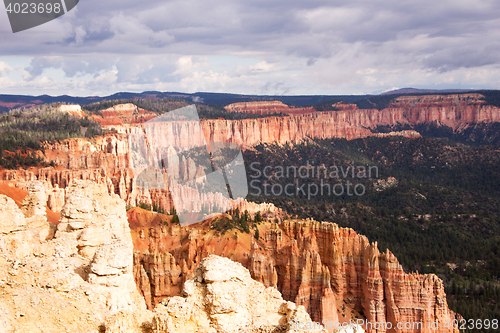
(71, 277)
(222, 297)
(333, 272)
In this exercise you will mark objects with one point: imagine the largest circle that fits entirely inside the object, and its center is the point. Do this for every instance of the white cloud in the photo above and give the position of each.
(4, 68)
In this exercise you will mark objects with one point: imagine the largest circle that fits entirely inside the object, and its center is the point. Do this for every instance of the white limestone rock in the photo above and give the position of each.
(11, 217)
(222, 297)
(75, 280)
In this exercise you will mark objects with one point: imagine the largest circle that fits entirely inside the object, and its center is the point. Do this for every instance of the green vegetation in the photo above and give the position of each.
(158, 105)
(442, 215)
(144, 205)
(235, 220)
(475, 134)
(162, 105)
(22, 131)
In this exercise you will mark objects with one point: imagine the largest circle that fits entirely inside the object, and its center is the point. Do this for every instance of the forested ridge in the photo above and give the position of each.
(162, 105)
(23, 130)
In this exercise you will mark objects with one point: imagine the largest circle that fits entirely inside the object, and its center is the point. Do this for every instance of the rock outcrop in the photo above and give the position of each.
(336, 274)
(223, 298)
(267, 107)
(69, 279)
(78, 277)
(123, 114)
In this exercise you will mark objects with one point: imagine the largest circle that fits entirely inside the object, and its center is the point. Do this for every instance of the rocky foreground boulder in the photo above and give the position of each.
(223, 297)
(71, 277)
(76, 276)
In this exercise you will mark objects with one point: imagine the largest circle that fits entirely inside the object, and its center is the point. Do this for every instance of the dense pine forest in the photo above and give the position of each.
(439, 214)
(23, 130)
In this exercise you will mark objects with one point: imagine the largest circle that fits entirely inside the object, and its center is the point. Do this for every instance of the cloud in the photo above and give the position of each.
(317, 46)
(4, 68)
(39, 64)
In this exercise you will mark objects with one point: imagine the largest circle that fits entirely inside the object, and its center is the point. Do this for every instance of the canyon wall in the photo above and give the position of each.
(452, 110)
(123, 114)
(222, 297)
(76, 276)
(333, 272)
(106, 159)
(69, 277)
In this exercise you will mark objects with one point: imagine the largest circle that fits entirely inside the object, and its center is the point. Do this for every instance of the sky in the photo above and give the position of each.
(272, 47)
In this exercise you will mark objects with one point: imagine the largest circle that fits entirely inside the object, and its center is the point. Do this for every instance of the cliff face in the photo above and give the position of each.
(222, 297)
(77, 276)
(71, 277)
(249, 132)
(107, 159)
(333, 272)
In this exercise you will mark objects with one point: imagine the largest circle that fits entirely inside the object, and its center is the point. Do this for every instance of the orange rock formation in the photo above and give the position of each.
(267, 107)
(106, 159)
(124, 114)
(329, 270)
(318, 265)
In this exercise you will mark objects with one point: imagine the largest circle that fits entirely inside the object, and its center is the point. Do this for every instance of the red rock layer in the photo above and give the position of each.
(267, 107)
(124, 114)
(249, 132)
(451, 110)
(455, 111)
(106, 159)
(318, 265)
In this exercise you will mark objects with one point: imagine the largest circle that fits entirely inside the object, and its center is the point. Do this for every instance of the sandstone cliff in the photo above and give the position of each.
(74, 110)
(333, 272)
(107, 159)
